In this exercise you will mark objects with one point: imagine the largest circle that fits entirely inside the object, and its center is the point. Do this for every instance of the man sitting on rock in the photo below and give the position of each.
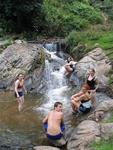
(53, 125)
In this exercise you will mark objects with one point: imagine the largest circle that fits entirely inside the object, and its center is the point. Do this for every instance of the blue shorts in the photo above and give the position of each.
(20, 94)
(54, 137)
(83, 109)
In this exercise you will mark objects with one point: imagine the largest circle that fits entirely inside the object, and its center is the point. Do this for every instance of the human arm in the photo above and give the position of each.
(62, 125)
(24, 88)
(96, 85)
(16, 88)
(76, 95)
(45, 119)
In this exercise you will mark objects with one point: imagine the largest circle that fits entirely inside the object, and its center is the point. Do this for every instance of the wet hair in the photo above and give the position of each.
(57, 103)
(69, 59)
(19, 75)
(86, 86)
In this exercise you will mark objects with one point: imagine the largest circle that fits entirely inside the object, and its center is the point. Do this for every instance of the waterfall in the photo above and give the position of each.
(56, 82)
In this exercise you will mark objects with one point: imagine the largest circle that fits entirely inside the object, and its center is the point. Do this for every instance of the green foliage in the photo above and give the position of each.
(103, 144)
(74, 38)
(61, 17)
(109, 119)
(50, 17)
(91, 38)
(106, 6)
(18, 15)
(86, 11)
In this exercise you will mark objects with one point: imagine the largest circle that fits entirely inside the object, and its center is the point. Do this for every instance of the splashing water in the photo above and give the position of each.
(56, 83)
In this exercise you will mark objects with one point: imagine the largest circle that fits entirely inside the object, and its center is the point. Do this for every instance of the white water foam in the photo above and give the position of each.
(55, 81)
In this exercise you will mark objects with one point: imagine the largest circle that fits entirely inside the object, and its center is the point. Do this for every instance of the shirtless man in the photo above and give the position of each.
(53, 123)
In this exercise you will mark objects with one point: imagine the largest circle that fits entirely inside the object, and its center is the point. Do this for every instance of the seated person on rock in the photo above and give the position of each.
(81, 101)
(53, 124)
(70, 66)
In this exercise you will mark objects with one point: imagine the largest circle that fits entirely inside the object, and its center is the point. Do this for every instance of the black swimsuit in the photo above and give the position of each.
(73, 66)
(91, 83)
(83, 101)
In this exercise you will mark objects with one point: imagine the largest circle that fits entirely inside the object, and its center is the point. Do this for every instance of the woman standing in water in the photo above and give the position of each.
(19, 93)
(92, 81)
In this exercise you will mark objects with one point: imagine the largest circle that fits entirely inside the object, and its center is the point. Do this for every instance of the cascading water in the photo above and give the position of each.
(56, 82)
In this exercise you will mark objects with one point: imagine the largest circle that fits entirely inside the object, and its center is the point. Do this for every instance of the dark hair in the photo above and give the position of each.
(69, 59)
(92, 69)
(57, 103)
(86, 86)
(18, 76)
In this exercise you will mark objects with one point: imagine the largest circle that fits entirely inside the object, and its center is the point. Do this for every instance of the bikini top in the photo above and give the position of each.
(83, 101)
(20, 86)
(92, 83)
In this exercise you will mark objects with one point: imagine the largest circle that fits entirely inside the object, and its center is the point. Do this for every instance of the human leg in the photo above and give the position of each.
(93, 99)
(68, 70)
(75, 105)
(19, 104)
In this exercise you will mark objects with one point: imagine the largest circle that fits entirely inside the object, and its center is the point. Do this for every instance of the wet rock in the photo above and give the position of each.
(12, 141)
(101, 109)
(85, 132)
(18, 41)
(45, 148)
(21, 58)
(58, 143)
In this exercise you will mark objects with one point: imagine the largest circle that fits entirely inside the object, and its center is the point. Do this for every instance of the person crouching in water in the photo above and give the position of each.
(19, 93)
(53, 124)
(70, 66)
(78, 100)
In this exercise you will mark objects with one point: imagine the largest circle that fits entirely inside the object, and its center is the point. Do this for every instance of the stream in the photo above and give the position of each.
(23, 130)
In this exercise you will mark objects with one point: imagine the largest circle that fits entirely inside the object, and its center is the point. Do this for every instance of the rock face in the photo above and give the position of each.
(99, 61)
(106, 130)
(83, 134)
(20, 58)
(101, 109)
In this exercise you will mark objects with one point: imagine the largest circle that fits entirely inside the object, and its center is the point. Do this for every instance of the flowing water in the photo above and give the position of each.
(25, 129)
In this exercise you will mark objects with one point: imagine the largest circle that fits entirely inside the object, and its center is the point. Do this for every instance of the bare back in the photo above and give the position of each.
(54, 120)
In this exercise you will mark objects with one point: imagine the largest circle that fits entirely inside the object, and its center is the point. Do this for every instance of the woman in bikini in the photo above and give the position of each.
(19, 93)
(92, 81)
(81, 97)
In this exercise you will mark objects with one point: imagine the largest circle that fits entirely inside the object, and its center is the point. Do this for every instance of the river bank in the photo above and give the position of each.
(27, 126)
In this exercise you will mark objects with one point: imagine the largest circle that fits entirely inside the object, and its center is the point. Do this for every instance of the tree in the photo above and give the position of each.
(19, 14)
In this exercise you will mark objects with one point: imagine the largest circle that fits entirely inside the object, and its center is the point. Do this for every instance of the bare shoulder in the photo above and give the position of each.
(17, 81)
(61, 114)
(50, 112)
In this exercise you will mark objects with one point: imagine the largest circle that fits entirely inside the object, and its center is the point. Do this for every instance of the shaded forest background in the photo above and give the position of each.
(52, 17)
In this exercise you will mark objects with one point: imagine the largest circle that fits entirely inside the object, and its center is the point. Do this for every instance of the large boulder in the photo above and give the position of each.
(101, 110)
(85, 132)
(21, 58)
(106, 130)
(99, 61)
